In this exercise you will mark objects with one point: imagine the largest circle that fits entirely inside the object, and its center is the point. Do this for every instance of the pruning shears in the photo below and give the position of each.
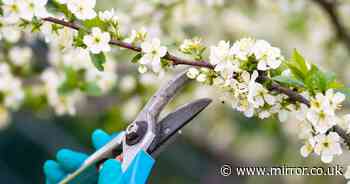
(145, 132)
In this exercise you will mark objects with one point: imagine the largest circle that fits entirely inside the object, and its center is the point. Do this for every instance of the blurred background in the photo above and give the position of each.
(319, 29)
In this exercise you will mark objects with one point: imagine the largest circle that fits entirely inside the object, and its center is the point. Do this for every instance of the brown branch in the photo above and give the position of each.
(175, 60)
(179, 61)
(330, 7)
(62, 22)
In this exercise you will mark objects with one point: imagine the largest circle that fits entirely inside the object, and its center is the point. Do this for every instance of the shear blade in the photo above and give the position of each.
(176, 120)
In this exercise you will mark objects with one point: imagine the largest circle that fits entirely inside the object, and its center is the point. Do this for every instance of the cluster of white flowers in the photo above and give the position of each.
(327, 146)
(24, 9)
(245, 93)
(317, 124)
(237, 70)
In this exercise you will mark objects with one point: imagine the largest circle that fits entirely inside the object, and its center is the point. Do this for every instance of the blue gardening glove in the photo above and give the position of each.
(111, 173)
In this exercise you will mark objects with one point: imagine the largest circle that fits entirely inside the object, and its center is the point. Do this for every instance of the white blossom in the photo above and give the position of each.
(97, 41)
(321, 120)
(335, 99)
(268, 57)
(82, 9)
(31, 8)
(191, 46)
(241, 49)
(108, 15)
(327, 146)
(222, 57)
(308, 147)
(258, 95)
(321, 114)
(136, 36)
(153, 52)
(11, 10)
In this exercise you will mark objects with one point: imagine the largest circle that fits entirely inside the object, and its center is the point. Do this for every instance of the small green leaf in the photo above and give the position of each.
(288, 80)
(316, 80)
(136, 58)
(296, 72)
(91, 88)
(95, 22)
(299, 61)
(64, 9)
(78, 39)
(98, 60)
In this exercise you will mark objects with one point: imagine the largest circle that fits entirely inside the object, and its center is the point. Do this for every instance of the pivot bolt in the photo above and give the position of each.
(135, 132)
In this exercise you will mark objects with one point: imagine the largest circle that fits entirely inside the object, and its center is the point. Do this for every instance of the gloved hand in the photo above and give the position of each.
(111, 173)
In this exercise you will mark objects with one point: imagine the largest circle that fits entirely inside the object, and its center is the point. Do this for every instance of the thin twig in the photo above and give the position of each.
(330, 7)
(179, 61)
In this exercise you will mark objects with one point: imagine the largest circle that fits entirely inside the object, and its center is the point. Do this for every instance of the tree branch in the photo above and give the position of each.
(330, 7)
(179, 61)
(175, 60)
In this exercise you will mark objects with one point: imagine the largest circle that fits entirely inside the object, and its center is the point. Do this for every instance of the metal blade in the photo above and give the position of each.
(176, 120)
(163, 96)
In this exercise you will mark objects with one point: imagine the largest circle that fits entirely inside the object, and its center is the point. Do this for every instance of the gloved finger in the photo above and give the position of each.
(53, 172)
(70, 160)
(111, 173)
(47, 181)
(100, 138)
(140, 168)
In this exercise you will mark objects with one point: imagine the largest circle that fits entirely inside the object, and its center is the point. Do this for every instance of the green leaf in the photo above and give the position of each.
(91, 88)
(95, 22)
(98, 60)
(299, 61)
(296, 72)
(288, 80)
(78, 40)
(136, 58)
(316, 80)
(64, 9)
